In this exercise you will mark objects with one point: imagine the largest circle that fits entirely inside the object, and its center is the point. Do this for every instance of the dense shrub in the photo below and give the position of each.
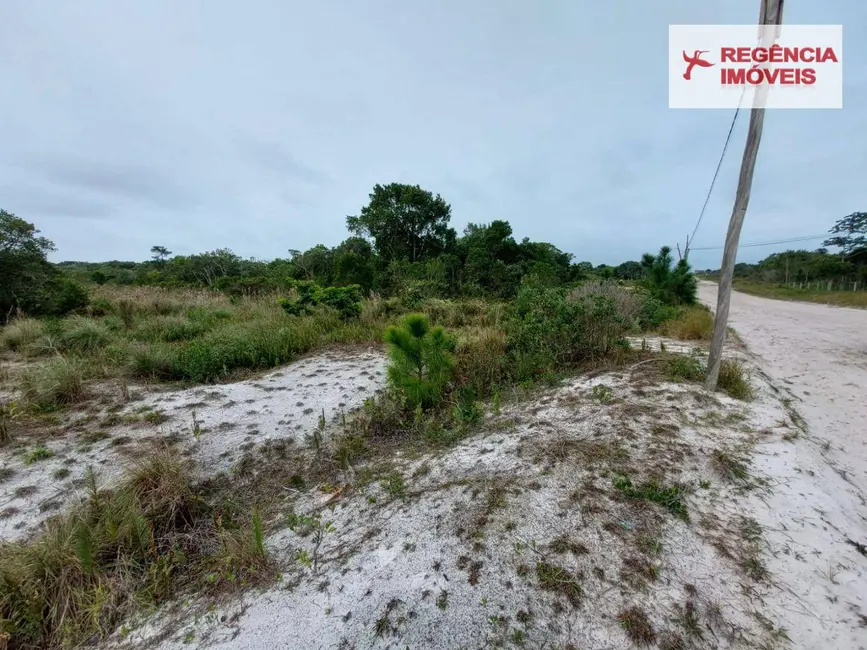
(549, 329)
(346, 300)
(421, 360)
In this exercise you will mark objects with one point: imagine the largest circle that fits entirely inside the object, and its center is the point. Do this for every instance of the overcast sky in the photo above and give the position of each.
(260, 125)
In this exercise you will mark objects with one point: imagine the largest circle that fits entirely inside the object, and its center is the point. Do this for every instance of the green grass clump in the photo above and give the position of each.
(682, 368)
(39, 452)
(154, 361)
(672, 498)
(20, 333)
(53, 384)
(141, 541)
(171, 329)
(84, 336)
(735, 381)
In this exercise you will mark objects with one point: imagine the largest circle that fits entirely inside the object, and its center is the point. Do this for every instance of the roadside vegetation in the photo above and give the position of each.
(466, 321)
(812, 276)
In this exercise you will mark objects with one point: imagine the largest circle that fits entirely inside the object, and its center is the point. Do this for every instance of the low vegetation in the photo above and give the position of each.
(813, 276)
(466, 321)
(137, 544)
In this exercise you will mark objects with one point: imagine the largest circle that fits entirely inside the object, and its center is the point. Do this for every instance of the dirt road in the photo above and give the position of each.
(815, 516)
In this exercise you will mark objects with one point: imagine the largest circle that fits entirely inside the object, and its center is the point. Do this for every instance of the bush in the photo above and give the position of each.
(63, 296)
(549, 330)
(53, 384)
(629, 303)
(346, 300)
(681, 368)
(20, 333)
(421, 360)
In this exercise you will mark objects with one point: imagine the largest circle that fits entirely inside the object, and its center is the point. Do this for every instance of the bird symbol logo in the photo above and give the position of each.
(693, 61)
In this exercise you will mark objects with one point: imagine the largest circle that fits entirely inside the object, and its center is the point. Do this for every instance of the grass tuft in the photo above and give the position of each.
(53, 384)
(142, 541)
(672, 498)
(20, 333)
(637, 626)
(84, 336)
(559, 580)
(734, 380)
(694, 323)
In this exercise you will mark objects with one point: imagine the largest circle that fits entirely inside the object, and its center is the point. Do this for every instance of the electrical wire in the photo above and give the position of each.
(718, 167)
(766, 243)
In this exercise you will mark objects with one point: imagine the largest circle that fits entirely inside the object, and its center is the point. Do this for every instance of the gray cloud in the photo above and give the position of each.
(260, 128)
(275, 157)
(117, 180)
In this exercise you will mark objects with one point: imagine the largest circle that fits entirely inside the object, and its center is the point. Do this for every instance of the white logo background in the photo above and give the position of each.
(705, 90)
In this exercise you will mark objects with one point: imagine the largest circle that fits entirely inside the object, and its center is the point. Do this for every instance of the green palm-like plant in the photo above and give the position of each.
(421, 360)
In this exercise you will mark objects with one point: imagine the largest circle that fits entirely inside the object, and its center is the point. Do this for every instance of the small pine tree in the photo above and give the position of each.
(671, 286)
(421, 360)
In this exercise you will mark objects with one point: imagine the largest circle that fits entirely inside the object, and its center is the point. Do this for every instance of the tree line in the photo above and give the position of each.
(844, 269)
(400, 244)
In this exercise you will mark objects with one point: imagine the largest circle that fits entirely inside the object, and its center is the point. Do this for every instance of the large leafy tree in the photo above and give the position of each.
(27, 280)
(850, 233)
(405, 222)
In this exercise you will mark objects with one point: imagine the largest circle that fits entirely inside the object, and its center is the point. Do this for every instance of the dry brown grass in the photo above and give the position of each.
(693, 324)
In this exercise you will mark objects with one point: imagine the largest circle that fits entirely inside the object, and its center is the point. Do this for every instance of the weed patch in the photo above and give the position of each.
(671, 498)
(561, 581)
(637, 626)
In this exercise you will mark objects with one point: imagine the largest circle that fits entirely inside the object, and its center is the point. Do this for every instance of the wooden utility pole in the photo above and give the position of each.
(770, 18)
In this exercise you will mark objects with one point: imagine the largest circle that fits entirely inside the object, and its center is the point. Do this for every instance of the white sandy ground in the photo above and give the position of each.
(285, 403)
(817, 354)
(453, 562)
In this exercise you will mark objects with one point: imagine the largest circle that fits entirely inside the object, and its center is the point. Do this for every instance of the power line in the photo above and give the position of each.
(768, 243)
(718, 167)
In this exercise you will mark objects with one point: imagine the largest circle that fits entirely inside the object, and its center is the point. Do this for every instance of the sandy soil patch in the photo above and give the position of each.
(214, 424)
(604, 513)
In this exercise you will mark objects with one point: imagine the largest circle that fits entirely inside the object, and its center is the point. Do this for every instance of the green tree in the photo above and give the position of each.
(673, 286)
(421, 360)
(850, 233)
(160, 254)
(629, 271)
(27, 280)
(354, 263)
(404, 222)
